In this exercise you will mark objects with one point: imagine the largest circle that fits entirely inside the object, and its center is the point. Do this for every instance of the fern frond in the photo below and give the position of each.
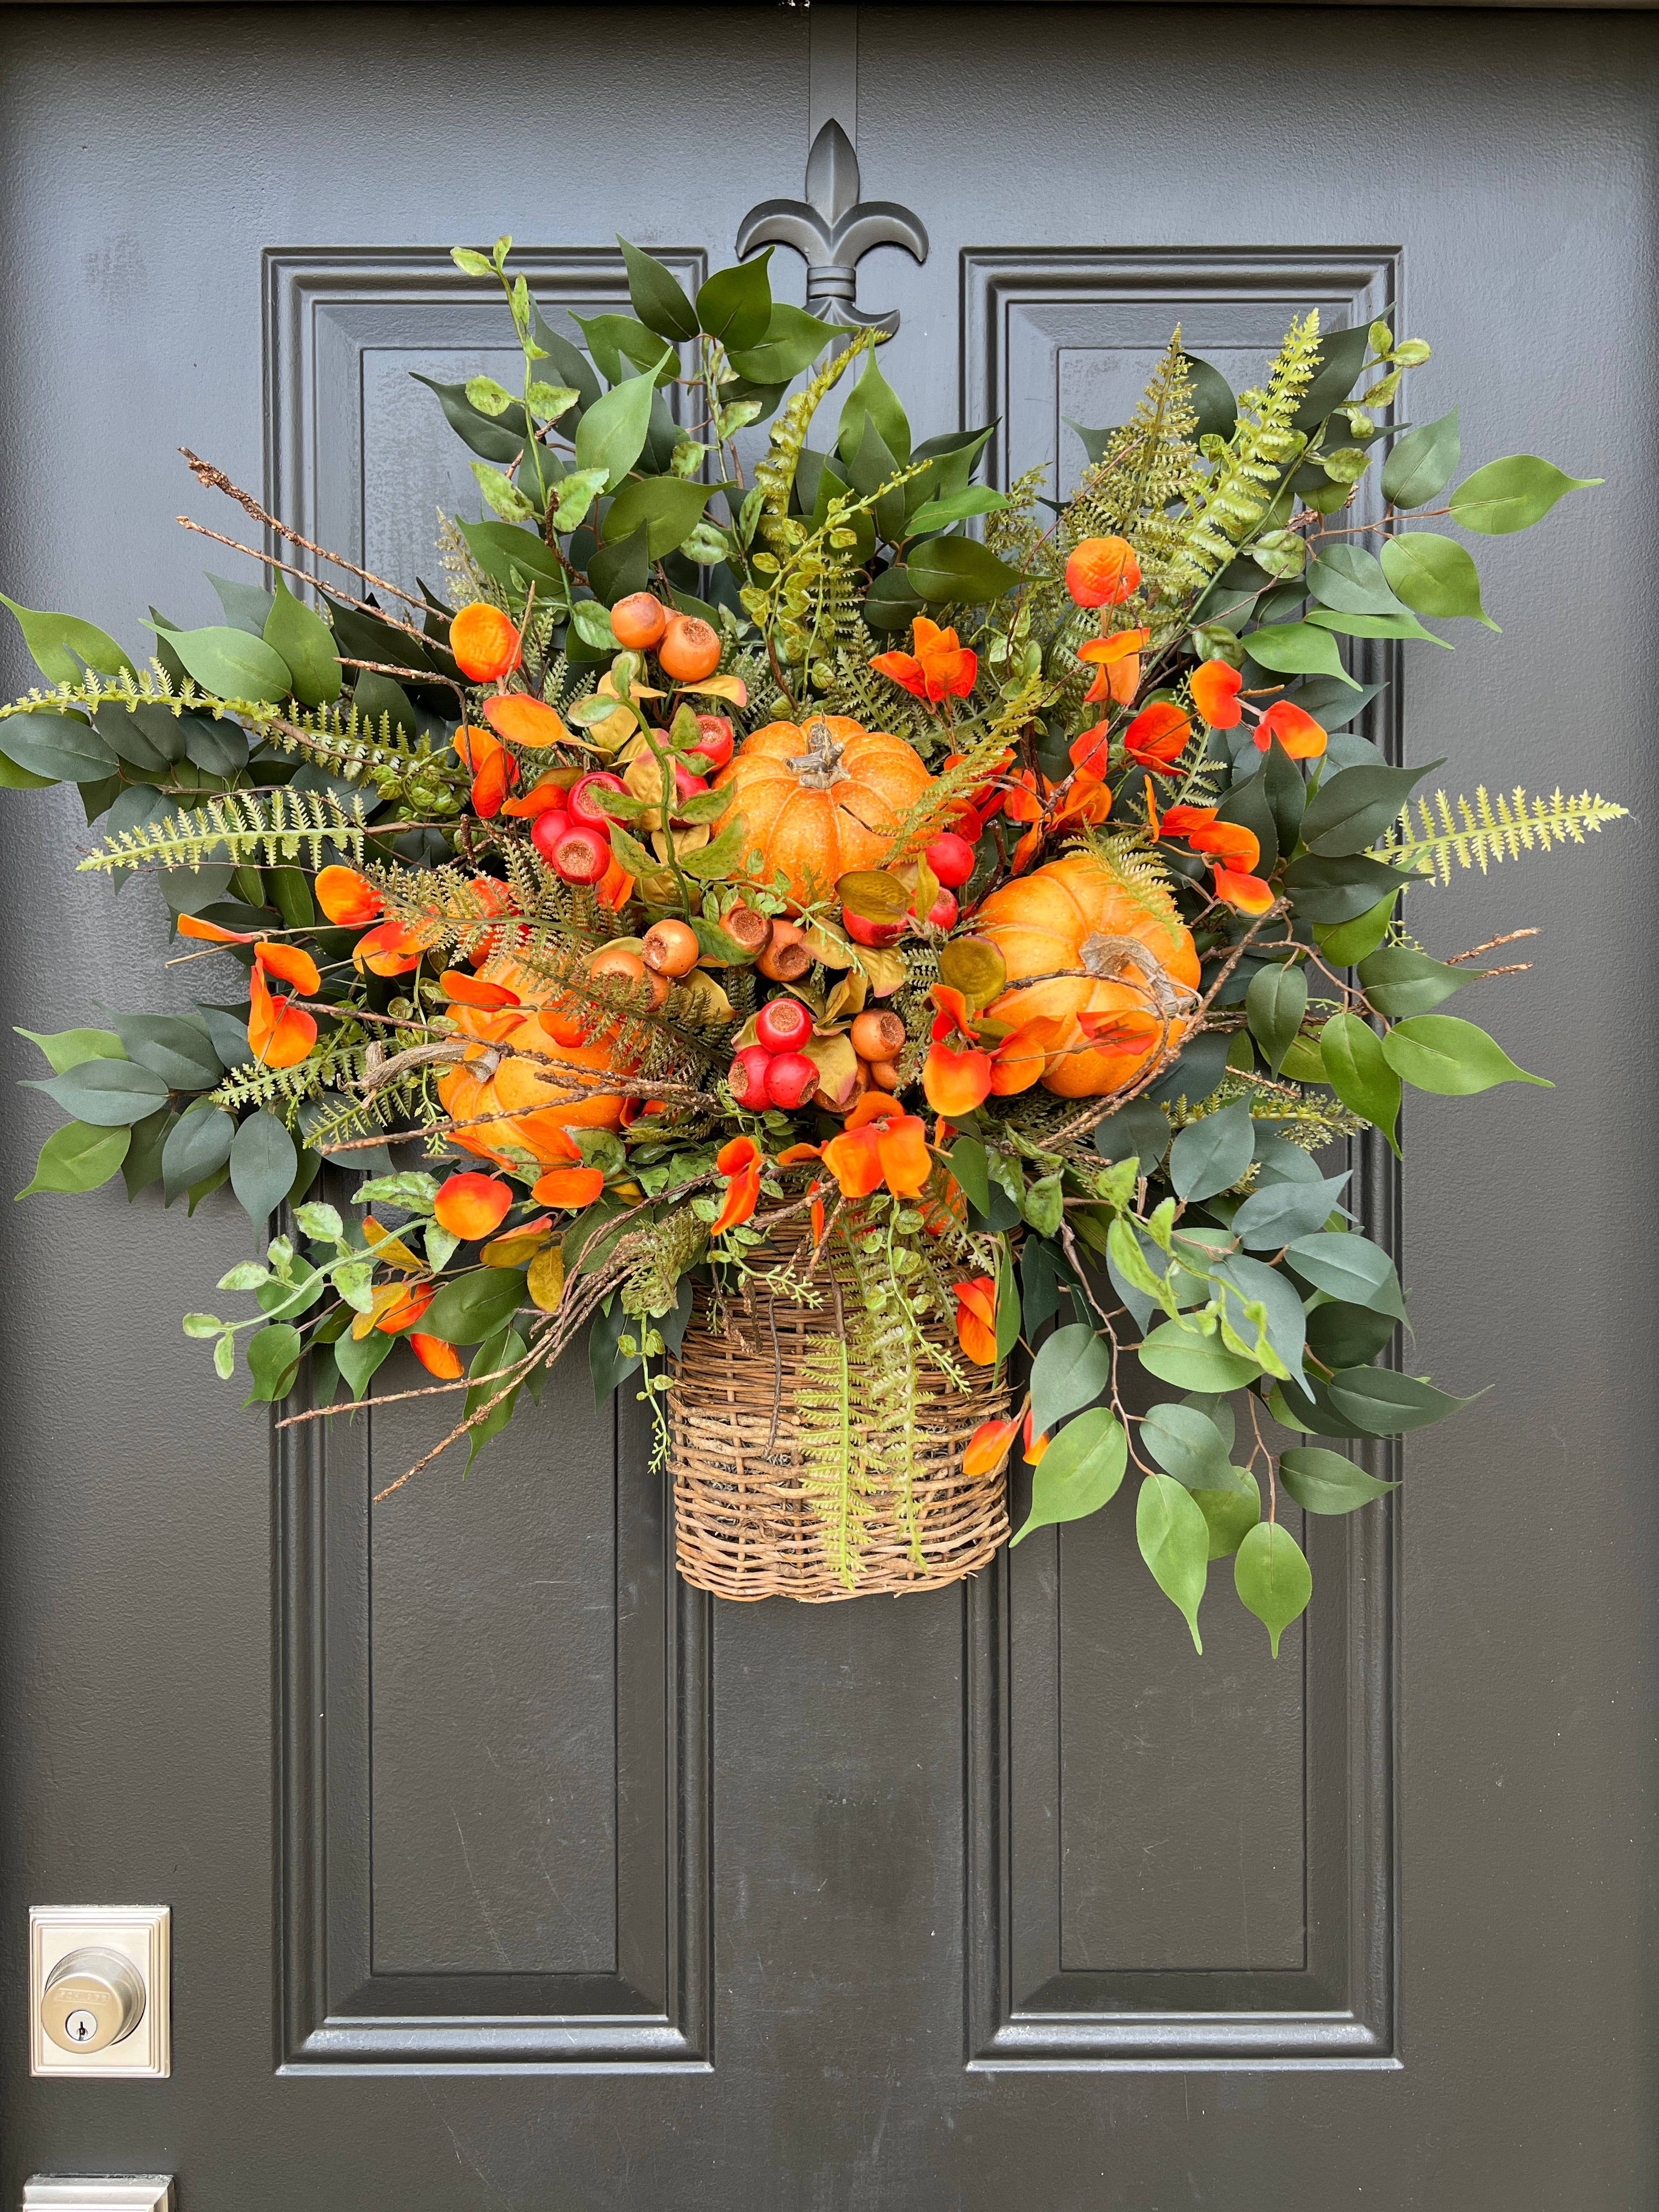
(1225, 505)
(1138, 870)
(1147, 464)
(285, 1090)
(1491, 830)
(775, 478)
(263, 827)
(981, 756)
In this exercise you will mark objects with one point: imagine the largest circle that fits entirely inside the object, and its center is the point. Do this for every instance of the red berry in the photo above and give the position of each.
(587, 810)
(952, 860)
(713, 739)
(783, 1025)
(581, 856)
(943, 912)
(746, 1077)
(686, 780)
(791, 1079)
(870, 933)
(547, 828)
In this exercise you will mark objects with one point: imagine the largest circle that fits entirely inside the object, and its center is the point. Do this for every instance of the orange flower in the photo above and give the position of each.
(1020, 1058)
(280, 1034)
(938, 668)
(494, 769)
(549, 792)
(880, 1143)
(473, 990)
(437, 1358)
(393, 949)
(956, 1082)
(408, 1303)
(1249, 894)
(739, 1161)
(615, 886)
(1215, 688)
(1302, 737)
(189, 925)
(348, 898)
(1118, 671)
(471, 1205)
(289, 962)
(906, 1162)
(1226, 843)
(1157, 736)
(1089, 751)
(1181, 821)
(976, 1320)
(526, 721)
(988, 1446)
(485, 643)
(1034, 1446)
(569, 1187)
(1086, 799)
(1102, 572)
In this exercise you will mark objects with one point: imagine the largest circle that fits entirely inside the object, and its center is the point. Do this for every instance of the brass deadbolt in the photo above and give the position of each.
(93, 1997)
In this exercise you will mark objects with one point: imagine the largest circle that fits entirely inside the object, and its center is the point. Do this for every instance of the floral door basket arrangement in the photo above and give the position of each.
(826, 943)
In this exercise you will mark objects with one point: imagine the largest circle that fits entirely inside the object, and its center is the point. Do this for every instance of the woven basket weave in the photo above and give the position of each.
(745, 1525)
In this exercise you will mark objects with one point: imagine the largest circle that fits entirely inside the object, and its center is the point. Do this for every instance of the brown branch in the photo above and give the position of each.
(214, 479)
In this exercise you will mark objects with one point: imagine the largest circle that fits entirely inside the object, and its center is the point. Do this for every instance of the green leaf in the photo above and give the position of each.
(735, 305)
(1138, 1131)
(615, 571)
(57, 748)
(1273, 1579)
(273, 1360)
(175, 1047)
(1399, 981)
(1188, 1444)
(1404, 626)
(658, 299)
(1422, 463)
(1324, 1482)
(263, 1163)
(1383, 1404)
(1229, 1514)
(613, 338)
(940, 514)
(1211, 1155)
(358, 1357)
(721, 855)
(1436, 575)
(1349, 1267)
(608, 1364)
(1344, 943)
(70, 1048)
(958, 569)
(793, 342)
(1353, 808)
(1070, 1371)
(1175, 1541)
(611, 434)
(873, 400)
(1347, 1336)
(246, 605)
(574, 495)
(501, 493)
(57, 644)
(1356, 1069)
(111, 1094)
(1282, 1320)
(13, 778)
(966, 1160)
(1008, 1305)
(1341, 887)
(78, 1157)
(668, 507)
(143, 1165)
(1452, 1058)
(1273, 1007)
(1296, 649)
(1352, 581)
(1281, 1212)
(1180, 1356)
(496, 442)
(469, 1307)
(1079, 1472)
(196, 1145)
(592, 623)
(231, 664)
(1512, 494)
(1044, 1206)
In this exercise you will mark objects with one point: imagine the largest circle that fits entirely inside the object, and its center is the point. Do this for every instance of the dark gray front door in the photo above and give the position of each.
(505, 1874)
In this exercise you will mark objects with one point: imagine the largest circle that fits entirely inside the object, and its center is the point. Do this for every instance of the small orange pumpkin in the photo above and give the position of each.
(483, 1085)
(821, 800)
(1139, 968)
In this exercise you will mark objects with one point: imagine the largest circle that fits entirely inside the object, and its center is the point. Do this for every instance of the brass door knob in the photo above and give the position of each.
(93, 1997)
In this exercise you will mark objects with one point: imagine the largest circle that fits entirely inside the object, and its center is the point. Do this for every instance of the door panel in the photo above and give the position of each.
(507, 1873)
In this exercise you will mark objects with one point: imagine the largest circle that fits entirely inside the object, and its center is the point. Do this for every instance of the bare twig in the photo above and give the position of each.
(214, 479)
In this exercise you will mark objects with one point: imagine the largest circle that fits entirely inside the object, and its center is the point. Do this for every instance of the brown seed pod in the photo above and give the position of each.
(670, 947)
(883, 1074)
(877, 1035)
(752, 931)
(787, 956)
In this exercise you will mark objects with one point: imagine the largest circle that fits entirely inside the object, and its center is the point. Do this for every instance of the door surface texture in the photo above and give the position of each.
(507, 1874)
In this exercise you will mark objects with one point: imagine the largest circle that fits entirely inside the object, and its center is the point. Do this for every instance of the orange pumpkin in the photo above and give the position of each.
(1139, 967)
(821, 800)
(483, 1085)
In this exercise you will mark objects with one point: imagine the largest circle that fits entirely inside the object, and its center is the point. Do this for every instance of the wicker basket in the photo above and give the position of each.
(745, 1525)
